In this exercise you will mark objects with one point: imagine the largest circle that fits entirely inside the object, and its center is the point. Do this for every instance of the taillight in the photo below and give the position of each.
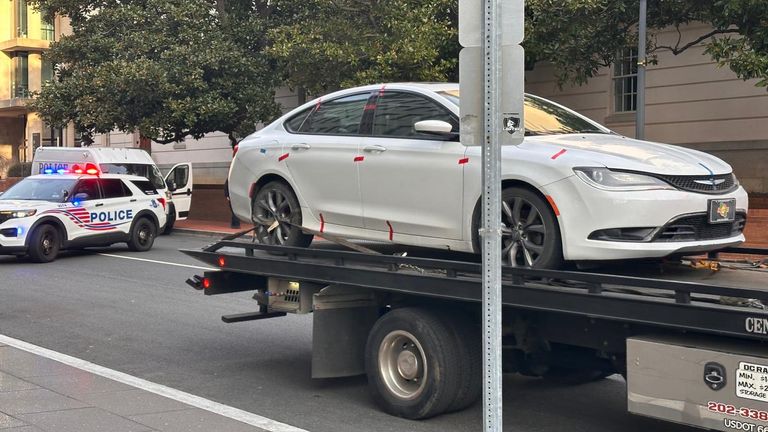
(222, 261)
(206, 283)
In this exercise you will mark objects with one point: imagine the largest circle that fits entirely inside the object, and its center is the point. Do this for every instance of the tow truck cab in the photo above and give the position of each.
(176, 186)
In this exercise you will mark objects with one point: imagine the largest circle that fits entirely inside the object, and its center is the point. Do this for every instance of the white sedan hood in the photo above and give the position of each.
(618, 152)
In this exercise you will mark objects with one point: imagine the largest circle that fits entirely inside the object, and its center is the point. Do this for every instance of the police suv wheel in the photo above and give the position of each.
(44, 244)
(142, 235)
(418, 366)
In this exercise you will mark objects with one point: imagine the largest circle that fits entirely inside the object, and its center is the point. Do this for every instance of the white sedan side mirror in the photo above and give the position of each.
(437, 127)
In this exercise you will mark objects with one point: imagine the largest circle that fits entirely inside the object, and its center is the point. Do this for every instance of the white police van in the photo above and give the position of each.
(176, 187)
(79, 207)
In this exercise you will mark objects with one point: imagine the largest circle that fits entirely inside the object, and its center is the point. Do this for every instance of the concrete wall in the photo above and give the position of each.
(690, 102)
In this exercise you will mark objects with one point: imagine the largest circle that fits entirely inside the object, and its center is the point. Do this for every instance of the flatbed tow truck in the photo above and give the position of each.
(690, 343)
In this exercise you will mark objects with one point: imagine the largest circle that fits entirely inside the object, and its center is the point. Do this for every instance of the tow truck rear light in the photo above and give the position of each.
(206, 283)
(222, 261)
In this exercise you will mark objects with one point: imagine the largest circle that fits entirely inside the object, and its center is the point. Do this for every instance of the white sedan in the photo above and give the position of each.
(384, 162)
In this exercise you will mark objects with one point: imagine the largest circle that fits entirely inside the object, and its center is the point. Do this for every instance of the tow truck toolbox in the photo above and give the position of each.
(691, 352)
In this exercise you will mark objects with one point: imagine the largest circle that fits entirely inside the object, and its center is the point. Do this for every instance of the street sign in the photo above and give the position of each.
(472, 22)
(511, 90)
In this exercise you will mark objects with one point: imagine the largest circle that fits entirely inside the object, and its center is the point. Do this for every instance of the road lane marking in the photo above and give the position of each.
(159, 389)
(157, 262)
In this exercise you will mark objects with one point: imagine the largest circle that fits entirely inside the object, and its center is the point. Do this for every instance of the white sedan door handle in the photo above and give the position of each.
(375, 148)
(301, 146)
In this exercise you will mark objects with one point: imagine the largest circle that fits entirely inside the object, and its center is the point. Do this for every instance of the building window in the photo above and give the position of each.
(625, 81)
(20, 82)
(46, 69)
(21, 19)
(47, 30)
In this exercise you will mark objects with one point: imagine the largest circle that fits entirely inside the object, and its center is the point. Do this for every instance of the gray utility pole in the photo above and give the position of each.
(491, 80)
(491, 229)
(641, 62)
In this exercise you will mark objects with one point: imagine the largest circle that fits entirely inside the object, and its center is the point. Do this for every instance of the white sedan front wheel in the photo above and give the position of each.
(530, 234)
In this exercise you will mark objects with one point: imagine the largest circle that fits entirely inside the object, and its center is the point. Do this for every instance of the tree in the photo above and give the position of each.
(580, 36)
(324, 45)
(169, 68)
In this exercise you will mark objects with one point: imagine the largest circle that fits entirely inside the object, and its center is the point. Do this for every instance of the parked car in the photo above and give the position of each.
(384, 162)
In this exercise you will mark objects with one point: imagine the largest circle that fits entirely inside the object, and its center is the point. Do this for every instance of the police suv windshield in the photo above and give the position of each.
(50, 189)
(545, 118)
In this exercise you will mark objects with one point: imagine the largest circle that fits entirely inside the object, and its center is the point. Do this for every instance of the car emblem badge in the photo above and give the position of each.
(723, 209)
(714, 376)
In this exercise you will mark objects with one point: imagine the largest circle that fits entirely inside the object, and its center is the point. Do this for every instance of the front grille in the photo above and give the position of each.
(702, 184)
(696, 227)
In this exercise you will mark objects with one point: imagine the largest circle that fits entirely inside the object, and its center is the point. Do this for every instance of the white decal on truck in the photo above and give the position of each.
(756, 325)
(752, 381)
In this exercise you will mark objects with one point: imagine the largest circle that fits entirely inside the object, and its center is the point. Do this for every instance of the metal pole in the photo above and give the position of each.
(641, 62)
(491, 229)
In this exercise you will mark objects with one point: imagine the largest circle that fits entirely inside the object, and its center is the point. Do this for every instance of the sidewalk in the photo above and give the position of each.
(40, 394)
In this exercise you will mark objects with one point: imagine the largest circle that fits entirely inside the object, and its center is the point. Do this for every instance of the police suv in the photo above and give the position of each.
(79, 207)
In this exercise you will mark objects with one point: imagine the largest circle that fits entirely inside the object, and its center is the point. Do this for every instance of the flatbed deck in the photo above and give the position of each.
(673, 297)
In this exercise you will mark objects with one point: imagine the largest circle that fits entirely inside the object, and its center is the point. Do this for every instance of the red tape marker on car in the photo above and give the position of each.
(558, 154)
(462, 161)
(283, 157)
(359, 158)
(381, 90)
(554, 206)
(322, 223)
(391, 231)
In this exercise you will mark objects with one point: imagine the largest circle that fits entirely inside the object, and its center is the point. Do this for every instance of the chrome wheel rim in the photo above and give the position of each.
(402, 365)
(145, 235)
(523, 232)
(272, 217)
(48, 243)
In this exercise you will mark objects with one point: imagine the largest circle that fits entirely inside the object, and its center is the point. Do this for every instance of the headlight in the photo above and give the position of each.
(18, 213)
(735, 180)
(603, 178)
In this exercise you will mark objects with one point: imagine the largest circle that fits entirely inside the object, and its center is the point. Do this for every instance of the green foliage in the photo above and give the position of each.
(170, 68)
(580, 36)
(20, 169)
(177, 68)
(323, 45)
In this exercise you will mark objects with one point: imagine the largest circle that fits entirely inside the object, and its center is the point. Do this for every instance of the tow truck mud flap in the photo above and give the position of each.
(342, 320)
(709, 383)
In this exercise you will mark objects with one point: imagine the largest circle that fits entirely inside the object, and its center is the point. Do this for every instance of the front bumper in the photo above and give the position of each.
(585, 210)
(13, 236)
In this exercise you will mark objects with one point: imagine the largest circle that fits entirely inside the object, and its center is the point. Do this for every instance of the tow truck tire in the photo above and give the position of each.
(276, 200)
(142, 235)
(44, 244)
(168, 228)
(415, 364)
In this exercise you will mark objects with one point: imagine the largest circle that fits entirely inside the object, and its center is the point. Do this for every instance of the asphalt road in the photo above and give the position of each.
(141, 318)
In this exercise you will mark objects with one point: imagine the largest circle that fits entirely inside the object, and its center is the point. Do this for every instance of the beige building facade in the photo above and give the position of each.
(690, 102)
(24, 38)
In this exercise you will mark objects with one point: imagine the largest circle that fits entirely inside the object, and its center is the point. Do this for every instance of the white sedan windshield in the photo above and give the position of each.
(545, 118)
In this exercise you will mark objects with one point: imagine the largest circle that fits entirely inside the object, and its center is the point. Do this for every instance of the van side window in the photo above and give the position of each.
(114, 188)
(145, 186)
